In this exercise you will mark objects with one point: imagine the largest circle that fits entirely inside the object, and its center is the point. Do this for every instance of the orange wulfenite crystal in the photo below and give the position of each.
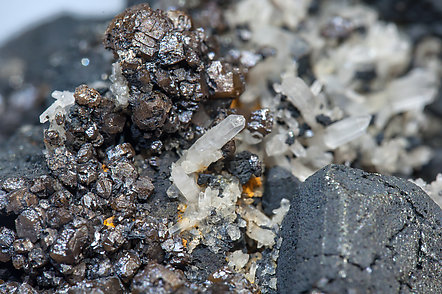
(249, 188)
(235, 103)
(109, 222)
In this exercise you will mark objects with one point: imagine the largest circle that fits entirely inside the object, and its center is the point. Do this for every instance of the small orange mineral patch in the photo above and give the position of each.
(109, 222)
(257, 106)
(249, 189)
(182, 207)
(105, 168)
(235, 103)
(184, 242)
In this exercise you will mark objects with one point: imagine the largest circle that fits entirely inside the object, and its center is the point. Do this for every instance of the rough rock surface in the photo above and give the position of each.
(354, 232)
(279, 184)
(22, 156)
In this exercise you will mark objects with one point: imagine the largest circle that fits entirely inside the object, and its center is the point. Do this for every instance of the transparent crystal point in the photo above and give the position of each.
(207, 149)
(345, 130)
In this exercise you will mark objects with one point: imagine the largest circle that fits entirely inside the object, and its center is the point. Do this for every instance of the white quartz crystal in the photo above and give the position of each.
(280, 212)
(237, 259)
(276, 145)
(252, 214)
(299, 94)
(297, 149)
(119, 86)
(259, 226)
(207, 208)
(345, 130)
(207, 149)
(277, 12)
(198, 157)
(413, 91)
(300, 170)
(383, 46)
(264, 237)
(62, 103)
(185, 183)
(234, 232)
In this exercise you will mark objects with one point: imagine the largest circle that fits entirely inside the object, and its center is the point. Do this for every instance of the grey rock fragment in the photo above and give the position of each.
(100, 268)
(13, 184)
(207, 262)
(22, 157)
(37, 258)
(20, 200)
(25, 288)
(354, 232)
(279, 183)
(104, 187)
(19, 261)
(22, 245)
(144, 187)
(244, 166)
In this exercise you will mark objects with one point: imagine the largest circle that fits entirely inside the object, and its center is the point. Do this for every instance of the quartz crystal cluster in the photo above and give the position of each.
(350, 95)
(216, 212)
(204, 205)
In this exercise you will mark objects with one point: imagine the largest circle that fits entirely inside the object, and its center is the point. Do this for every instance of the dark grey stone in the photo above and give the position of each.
(279, 183)
(429, 171)
(354, 232)
(22, 156)
(425, 13)
(207, 263)
(244, 165)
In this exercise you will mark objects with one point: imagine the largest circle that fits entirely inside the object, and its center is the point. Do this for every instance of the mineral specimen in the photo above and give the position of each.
(327, 82)
(163, 71)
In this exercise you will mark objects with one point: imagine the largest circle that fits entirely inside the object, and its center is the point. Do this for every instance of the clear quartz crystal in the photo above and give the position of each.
(199, 156)
(345, 130)
(276, 145)
(63, 101)
(237, 259)
(119, 86)
(207, 149)
(413, 91)
(280, 212)
(298, 150)
(234, 232)
(264, 237)
(185, 183)
(299, 94)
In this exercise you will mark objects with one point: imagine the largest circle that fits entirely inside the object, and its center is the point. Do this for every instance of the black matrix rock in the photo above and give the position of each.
(354, 232)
